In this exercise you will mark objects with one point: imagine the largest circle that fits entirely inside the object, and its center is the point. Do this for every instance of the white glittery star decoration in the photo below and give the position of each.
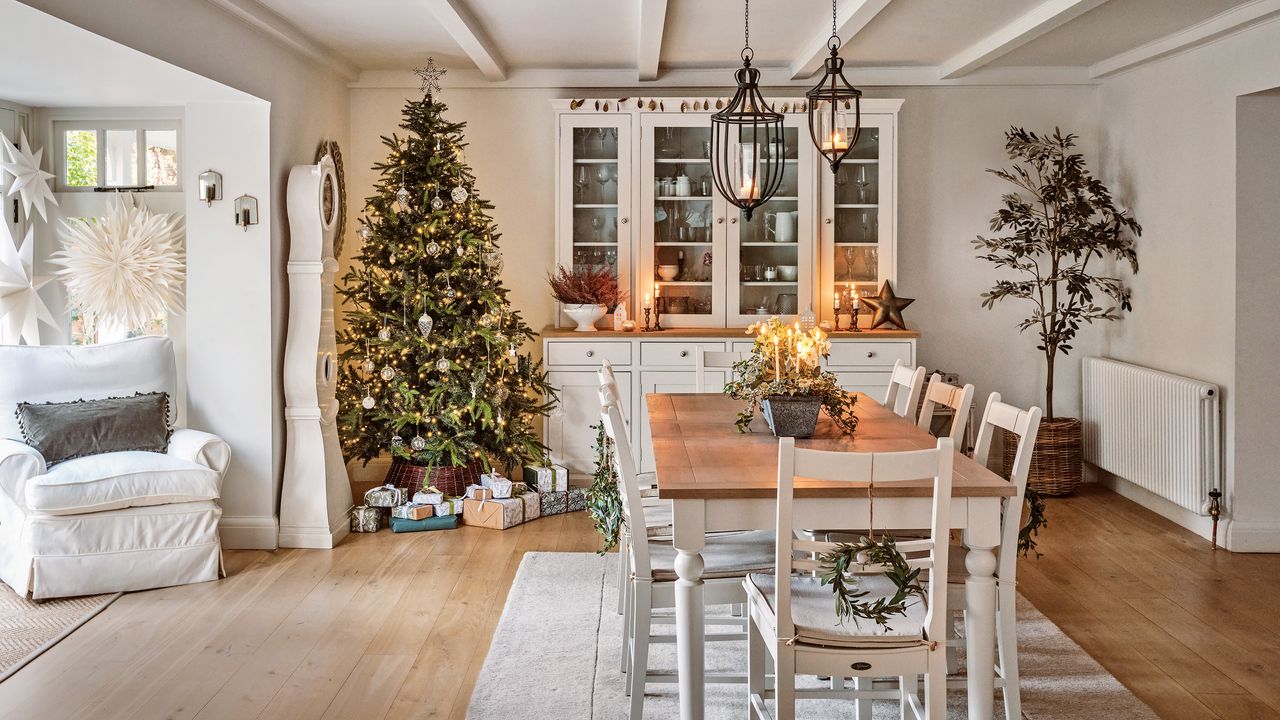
(29, 180)
(21, 309)
(127, 267)
(431, 76)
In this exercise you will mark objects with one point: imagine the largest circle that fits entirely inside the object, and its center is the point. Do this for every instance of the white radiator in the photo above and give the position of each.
(1156, 430)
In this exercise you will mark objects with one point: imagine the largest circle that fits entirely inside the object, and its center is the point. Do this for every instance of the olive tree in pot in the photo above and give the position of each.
(1056, 223)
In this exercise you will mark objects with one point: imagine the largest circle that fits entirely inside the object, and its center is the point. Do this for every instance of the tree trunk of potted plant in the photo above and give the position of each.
(1058, 220)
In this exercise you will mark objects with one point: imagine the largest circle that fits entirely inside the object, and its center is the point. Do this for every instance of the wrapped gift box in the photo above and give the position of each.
(365, 519)
(502, 488)
(430, 496)
(547, 479)
(452, 506)
(412, 511)
(554, 503)
(503, 513)
(476, 492)
(400, 525)
(385, 496)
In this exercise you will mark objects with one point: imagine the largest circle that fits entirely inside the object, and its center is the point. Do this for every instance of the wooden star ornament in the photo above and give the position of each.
(887, 307)
(431, 76)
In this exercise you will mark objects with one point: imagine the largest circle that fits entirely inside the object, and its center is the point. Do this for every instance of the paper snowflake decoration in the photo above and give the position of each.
(431, 76)
(21, 308)
(29, 180)
(127, 267)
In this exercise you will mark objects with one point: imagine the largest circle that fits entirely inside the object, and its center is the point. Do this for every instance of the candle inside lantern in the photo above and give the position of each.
(836, 142)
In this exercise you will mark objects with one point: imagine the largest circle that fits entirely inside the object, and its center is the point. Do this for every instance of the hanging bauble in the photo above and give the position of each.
(500, 394)
(368, 402)
(442, 365)
(384, 334)
(396, 441)
(418, 443)
(486, 320)
(393, 258)
(368, 365)
(388, 373)
(493, 259)
(500, 337)
(433, 248)
(461, 251)
(437, 203)
(402, 197)
(425, 323)
(365, 232)
(459, 194)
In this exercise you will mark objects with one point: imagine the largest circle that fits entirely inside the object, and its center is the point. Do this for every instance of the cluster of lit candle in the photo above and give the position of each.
(794, 351)
(851, 293)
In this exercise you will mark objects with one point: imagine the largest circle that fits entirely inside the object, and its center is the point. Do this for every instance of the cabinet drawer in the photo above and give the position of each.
(675, 354)
(742, 345)
(869, 354)
(566, 352)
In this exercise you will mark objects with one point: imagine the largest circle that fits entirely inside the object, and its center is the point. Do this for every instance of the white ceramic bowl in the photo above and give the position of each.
(668, 272)
(788, 273)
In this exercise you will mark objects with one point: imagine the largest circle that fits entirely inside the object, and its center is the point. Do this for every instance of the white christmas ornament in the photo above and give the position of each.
(127, 267)
(459, 194)
(425, 323)
(21, 309)
(29, 180)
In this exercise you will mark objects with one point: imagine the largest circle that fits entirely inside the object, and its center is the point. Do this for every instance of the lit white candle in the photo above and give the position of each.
(647, 302)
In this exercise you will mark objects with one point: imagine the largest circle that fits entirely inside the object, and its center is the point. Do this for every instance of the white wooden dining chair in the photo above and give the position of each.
(704, 360)
(905, 384)
(1026, 425)
(959, 399)
(791, 614)
(727, 558)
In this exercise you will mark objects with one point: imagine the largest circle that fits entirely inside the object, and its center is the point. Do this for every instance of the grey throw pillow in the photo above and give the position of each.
(65, 430)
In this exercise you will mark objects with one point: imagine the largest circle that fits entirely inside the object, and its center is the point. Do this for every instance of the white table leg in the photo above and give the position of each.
(689, 536)
(980, 629)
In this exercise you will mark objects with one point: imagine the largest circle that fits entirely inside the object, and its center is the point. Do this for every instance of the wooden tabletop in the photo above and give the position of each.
(699, 454)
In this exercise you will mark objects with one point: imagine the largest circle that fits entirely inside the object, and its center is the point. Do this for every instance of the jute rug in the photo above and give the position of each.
(29, 628)
(557, 649)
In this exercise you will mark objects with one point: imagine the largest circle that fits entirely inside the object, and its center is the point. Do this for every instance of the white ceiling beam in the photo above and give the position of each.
(653, 20)
(851, 18)
(464, 29)
(1234, 20)
(276, 26)
(1034, 23)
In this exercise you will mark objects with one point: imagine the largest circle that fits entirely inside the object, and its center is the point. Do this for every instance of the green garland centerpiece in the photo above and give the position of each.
(784, 377)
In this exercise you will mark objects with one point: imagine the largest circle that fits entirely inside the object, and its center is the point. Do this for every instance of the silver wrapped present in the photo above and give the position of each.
(501, 487)
(413, 511)
(365, 519)
(554, 478)
(385, 496)
(429, 496)
(452, 506)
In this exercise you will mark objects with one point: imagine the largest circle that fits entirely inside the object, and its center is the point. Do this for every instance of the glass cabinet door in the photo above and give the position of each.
(771, 264)
(594, 198)
(857, 218)
(682, 222)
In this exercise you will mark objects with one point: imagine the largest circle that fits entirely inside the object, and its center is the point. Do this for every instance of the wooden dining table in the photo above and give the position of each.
(719, 479)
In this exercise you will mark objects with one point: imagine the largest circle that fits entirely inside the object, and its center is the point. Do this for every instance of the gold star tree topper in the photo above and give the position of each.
(431, 76)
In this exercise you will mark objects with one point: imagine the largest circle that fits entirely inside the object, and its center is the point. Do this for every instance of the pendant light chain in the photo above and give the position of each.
(747, 53)
(834, 40)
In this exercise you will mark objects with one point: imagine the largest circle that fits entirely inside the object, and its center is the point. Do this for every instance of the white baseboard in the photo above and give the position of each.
(316, 538)
(1253, 537)
(1198, 524)
(248, 532)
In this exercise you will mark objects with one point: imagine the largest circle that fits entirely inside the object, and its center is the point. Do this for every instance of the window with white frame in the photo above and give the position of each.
(117, 154)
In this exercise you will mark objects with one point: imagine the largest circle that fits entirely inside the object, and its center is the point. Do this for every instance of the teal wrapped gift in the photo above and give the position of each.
(555, 503)
(401, 525)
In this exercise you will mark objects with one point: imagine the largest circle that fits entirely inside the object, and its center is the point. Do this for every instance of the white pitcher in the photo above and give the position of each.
(783, 229)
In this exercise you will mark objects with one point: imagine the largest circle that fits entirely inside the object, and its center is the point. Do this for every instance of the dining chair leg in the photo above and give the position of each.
(756, 651)
(953, 645)
(641, 609)
(908, 686)
(784, 683)
(1007, 644)
(624, 569)
(935, 687)
(629, 599)
(863, 707)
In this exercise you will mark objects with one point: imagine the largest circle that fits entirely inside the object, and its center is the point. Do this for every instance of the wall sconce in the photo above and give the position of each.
(246, 211)
(210, 186)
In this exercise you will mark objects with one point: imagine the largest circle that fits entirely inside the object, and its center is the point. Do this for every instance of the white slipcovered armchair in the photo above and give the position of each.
(114, 521)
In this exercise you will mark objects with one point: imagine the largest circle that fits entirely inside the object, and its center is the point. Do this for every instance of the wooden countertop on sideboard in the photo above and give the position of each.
(734, 333)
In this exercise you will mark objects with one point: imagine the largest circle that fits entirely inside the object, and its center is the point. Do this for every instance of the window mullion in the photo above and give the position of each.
(101, 156)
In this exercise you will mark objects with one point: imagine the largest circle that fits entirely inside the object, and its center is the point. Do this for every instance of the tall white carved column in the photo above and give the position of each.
(315, 500)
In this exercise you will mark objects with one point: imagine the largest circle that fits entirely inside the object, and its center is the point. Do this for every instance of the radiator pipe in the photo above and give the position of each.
(1215, 511)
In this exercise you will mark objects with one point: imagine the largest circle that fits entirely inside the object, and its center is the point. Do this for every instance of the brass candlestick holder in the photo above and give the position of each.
(835, 310)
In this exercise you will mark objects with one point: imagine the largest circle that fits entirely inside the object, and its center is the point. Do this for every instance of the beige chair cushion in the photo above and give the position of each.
(814, 616)
(657, 517)
(724, 556)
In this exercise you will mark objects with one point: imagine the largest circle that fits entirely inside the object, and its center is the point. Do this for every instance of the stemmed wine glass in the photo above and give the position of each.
(603, 176)
(864, 184)
(596, 225)
(580, 185)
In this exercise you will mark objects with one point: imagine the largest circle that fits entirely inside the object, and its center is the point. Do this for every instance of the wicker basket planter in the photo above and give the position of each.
(1056, 462)
(450, 480)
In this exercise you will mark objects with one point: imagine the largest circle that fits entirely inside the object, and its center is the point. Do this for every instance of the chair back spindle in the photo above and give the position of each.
(905, 384)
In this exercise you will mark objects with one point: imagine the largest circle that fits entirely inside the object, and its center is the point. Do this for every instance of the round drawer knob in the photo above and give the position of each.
(733, 221)
(684, 353)
(624, 220)
(592, 353)
(869, 354)
(719, 221)
(828, 221)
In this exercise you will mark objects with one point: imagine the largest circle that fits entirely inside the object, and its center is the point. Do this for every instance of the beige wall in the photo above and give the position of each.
(1170, 145)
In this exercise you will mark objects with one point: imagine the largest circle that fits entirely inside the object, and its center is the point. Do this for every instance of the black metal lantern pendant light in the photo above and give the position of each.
(828, 126)
(747, 144)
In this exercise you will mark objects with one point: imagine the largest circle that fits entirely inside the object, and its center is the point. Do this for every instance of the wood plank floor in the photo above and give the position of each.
(397, 626)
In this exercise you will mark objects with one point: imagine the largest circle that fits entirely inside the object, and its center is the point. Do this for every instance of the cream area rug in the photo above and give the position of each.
(28, 628)
(556, 654)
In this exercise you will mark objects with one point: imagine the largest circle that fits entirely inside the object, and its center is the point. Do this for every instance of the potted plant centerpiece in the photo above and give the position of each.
(586, 294)
(1057, 221)
(784, 376)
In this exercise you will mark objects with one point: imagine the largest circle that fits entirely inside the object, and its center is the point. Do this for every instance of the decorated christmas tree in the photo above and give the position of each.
(432, 369)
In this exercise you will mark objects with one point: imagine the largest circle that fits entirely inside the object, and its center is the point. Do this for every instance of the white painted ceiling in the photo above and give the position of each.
(569, 35)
